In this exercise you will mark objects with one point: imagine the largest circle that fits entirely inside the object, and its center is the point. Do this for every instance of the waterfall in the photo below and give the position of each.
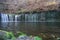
(16, 18)
(30, 17)
(34, 18)
(26, 17)
(11, 18)
(42, 19)
(4, 17)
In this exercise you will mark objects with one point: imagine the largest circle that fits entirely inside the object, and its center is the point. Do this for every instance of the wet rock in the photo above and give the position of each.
(6, 35)
(22, 37)
(28, 38)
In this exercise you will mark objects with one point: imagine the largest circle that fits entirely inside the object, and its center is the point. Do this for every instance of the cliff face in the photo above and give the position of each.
(41, 5)
(30, 5)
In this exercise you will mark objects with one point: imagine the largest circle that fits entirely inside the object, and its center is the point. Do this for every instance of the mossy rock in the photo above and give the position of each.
(37, 38)
(4, 35)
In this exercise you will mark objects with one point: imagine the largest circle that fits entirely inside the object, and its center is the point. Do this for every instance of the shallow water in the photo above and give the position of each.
(31, 27)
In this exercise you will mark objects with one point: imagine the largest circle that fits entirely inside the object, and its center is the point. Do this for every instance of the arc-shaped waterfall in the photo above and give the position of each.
(42, 17)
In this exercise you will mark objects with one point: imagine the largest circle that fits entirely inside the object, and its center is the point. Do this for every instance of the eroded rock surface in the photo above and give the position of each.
(29, 5)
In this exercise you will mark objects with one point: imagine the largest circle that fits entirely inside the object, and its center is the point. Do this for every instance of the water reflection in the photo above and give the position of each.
(31, 27)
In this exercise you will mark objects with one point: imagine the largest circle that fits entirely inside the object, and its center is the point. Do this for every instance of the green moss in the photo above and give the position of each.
(37, 38)
(7, 35)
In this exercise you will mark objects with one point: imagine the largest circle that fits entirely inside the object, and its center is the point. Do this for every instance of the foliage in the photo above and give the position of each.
(6, 35)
